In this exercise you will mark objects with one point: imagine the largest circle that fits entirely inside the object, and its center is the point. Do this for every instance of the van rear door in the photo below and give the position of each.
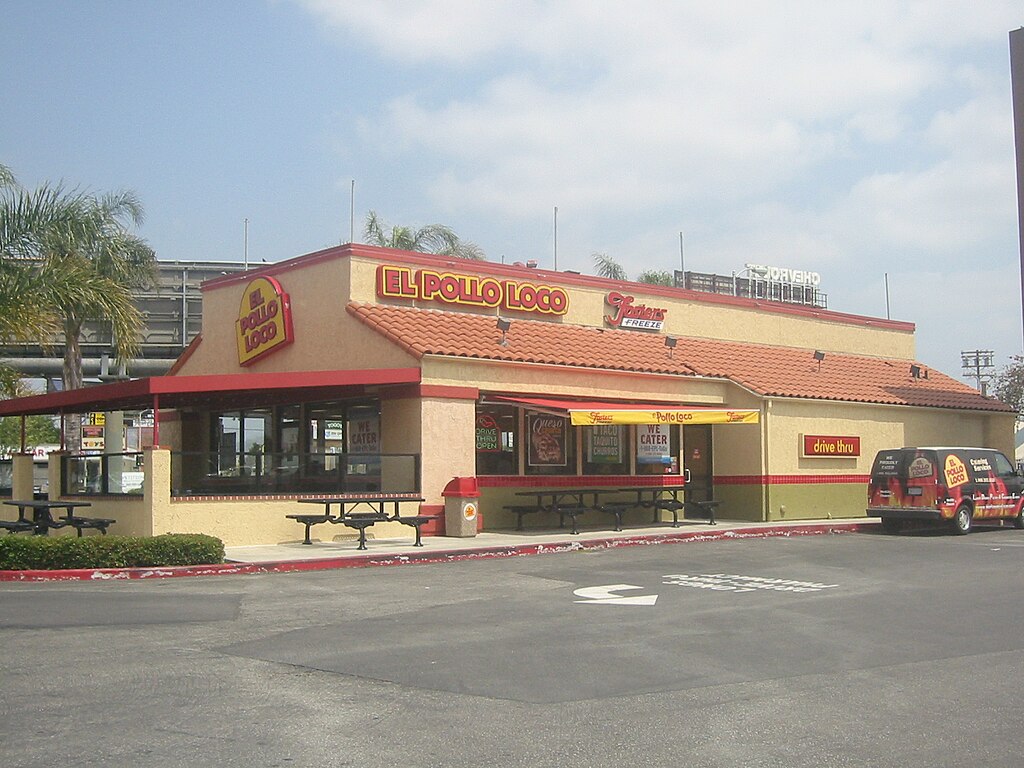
(904, 478)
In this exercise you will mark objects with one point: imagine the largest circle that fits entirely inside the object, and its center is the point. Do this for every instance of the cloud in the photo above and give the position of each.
(849, 138)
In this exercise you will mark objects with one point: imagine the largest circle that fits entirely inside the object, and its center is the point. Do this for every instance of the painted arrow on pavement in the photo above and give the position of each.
(605, 595)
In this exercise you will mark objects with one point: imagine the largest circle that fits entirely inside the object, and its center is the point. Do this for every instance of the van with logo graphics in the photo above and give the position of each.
(956, 486)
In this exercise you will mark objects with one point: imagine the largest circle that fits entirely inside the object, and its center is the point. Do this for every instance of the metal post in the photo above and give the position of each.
(556, 238)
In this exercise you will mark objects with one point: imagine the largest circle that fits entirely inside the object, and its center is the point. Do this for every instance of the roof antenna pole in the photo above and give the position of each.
(556, 238)
(352, 214)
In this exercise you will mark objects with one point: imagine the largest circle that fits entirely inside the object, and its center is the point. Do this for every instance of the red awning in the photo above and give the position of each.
(591, 412)
(207, 391)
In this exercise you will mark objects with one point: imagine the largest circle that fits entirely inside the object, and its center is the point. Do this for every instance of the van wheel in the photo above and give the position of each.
(1018, 521)
(962, 520)
(890, 525)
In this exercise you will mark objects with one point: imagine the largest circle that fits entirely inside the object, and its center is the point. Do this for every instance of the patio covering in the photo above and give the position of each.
(231, 390)
(590, 412)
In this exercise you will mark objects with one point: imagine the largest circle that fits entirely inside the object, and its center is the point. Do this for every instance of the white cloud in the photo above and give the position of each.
(851, 138)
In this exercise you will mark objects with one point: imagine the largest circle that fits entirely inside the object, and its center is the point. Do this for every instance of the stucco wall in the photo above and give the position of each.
(326, 336)
(686, 316)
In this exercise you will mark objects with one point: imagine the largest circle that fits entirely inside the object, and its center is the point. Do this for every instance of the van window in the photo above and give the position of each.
(1003, 466)
(904, 464)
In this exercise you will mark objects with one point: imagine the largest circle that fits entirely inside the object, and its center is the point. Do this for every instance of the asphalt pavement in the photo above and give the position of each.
(842, 650)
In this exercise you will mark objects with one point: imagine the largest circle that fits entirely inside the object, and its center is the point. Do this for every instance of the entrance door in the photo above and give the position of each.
(697, 459)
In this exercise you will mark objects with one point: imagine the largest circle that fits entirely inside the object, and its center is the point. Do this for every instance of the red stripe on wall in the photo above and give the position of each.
(591, 481)
(573, 481)
(790, 479)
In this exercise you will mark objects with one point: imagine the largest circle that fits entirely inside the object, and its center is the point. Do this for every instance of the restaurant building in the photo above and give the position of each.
(359, 369)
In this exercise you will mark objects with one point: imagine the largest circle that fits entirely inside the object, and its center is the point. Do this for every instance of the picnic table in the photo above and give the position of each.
(361, 512)
(565, 502)
(672, 498)
(573, 502)
(42, 516)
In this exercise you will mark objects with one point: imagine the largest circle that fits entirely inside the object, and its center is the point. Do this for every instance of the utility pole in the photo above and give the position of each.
(977, 364)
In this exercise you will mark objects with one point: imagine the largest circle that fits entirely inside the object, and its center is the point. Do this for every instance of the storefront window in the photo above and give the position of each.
(497, 451)
(606, 450)
(550, 447)
(363, 429)
(657, 449)
(240, 439)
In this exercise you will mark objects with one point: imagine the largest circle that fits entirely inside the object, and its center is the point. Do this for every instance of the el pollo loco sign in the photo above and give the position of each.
(264, 322)
(470, 290)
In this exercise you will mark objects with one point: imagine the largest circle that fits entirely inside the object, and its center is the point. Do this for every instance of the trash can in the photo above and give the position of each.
(461, 512)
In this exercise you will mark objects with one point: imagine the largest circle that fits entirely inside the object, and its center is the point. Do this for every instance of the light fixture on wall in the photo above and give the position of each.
(503, 325)
(670, 342)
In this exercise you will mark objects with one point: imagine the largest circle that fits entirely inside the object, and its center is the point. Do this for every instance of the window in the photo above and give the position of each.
(657, 449)
(606, 450)
(497, 451)
(550, 445)
(240, 438)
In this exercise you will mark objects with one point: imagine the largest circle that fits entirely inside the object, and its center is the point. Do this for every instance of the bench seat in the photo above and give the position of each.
(309, 521)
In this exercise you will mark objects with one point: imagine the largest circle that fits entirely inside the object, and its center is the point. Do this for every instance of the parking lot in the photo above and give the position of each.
(853, 649)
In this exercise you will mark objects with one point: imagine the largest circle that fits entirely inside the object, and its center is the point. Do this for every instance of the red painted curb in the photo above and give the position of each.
(361, 561)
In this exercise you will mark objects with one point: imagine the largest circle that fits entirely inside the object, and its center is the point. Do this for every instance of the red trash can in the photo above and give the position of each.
(461, 507)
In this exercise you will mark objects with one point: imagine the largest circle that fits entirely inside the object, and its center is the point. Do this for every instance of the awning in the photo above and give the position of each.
(590, 412)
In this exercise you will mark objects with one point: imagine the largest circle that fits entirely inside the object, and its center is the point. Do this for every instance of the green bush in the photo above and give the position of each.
(44, 553)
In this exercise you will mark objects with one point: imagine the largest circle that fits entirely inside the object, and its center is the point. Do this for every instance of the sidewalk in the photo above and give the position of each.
(510, 543)
(283, 558)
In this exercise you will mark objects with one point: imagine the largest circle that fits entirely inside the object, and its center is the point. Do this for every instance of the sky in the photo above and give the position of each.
(870, 142)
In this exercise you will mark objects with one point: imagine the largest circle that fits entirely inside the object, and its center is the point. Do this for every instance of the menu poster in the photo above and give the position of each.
(653, 444)
(547, 440)
(604, 444)
(488, 437)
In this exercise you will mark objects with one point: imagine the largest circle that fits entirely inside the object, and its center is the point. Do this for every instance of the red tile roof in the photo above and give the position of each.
(768, 371)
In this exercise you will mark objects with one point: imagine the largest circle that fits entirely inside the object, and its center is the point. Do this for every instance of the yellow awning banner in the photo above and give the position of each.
(664, 416)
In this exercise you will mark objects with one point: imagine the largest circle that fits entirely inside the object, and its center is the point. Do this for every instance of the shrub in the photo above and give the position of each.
(43, 553)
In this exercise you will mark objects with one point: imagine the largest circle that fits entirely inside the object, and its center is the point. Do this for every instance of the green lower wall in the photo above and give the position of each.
(821, 501)
(738, 502)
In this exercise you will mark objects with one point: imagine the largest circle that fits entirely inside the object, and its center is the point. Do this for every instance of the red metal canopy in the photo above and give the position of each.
(237, 389)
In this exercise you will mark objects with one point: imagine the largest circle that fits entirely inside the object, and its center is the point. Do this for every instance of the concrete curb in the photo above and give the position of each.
(511, 550)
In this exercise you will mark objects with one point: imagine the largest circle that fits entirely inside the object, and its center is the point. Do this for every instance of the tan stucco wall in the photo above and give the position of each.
(687, 316)
(577, 382)
(326, 336)
(879, 427)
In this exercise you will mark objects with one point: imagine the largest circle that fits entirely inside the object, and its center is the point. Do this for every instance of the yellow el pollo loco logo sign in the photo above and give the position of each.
(264, 322)
(955, 471)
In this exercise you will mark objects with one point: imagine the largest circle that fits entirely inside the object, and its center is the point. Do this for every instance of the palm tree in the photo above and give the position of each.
(114, 262)
(608, 267)
(67, 257)
(432, 238)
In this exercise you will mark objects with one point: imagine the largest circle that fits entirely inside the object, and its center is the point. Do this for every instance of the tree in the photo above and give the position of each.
(39, 430)
(432, 238)
(116, 262)
(1009, 385)
(657, 277)
(608, 267)
(67, 257)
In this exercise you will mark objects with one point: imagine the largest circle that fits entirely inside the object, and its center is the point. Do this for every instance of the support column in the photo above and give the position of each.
(21, 477)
